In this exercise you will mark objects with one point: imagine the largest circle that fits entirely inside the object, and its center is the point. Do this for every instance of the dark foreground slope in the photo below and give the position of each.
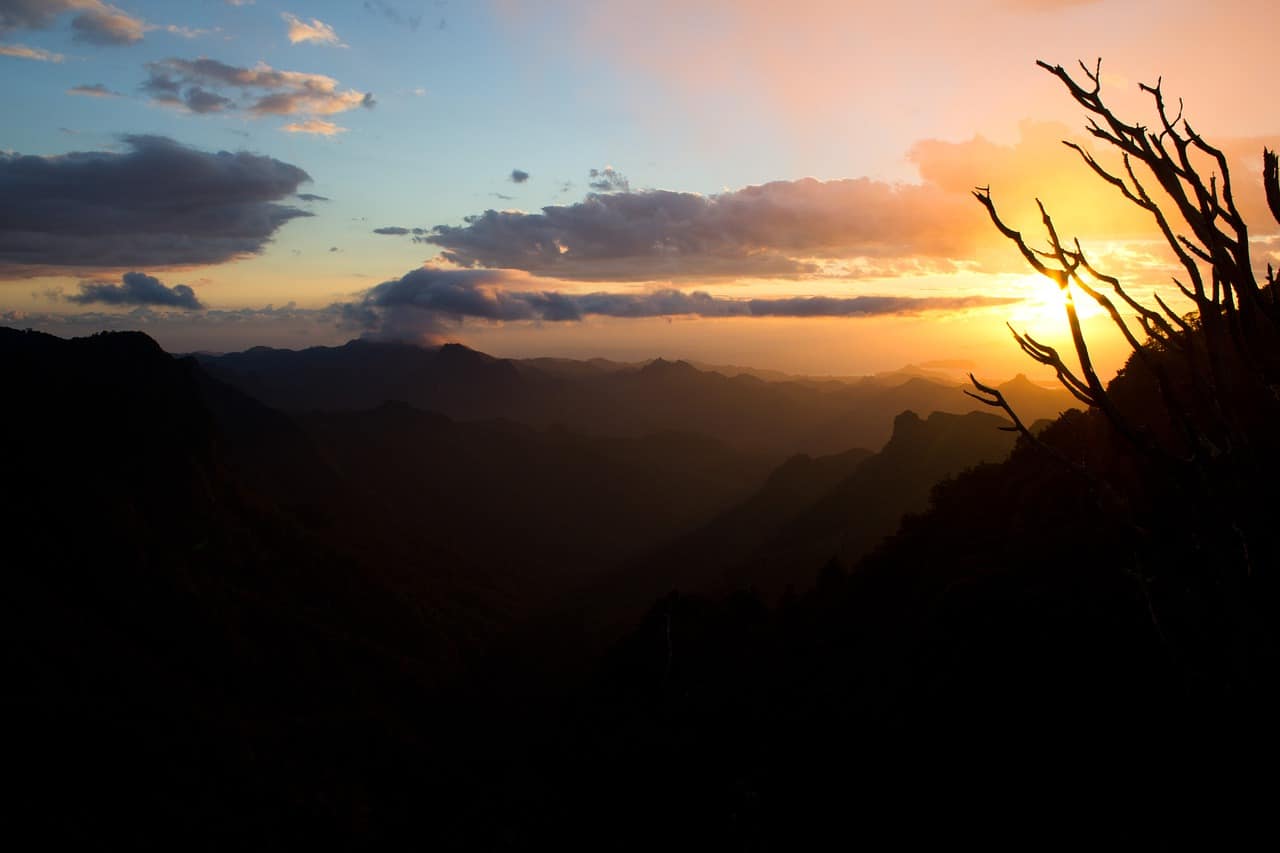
(185, 656)
(225, 627)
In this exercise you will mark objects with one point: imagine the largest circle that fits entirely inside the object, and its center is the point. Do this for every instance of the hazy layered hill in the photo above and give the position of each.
(813, 510)
(547, 502)
(778, 416)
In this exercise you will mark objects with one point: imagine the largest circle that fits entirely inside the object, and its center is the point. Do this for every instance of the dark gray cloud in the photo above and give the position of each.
(397, 231)
(93, 90)
(519, 176)
(207, 85)
(782, 229)
(157, 204)
(426, 302)
(394, 14)
(201, 101)
(311, 197)
(608, 180)
(136, 289)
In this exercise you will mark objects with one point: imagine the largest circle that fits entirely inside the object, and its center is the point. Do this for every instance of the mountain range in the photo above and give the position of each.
(298, 581)
(780, 416)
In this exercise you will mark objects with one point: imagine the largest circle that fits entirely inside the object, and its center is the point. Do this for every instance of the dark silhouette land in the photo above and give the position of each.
(384, 596)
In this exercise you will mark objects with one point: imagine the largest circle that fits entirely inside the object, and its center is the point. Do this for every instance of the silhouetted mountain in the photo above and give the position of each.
(818, 417)
(360, 626)
(169, 627)
(813, 510)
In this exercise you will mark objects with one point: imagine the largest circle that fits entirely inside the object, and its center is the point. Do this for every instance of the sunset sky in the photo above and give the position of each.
(781, 185)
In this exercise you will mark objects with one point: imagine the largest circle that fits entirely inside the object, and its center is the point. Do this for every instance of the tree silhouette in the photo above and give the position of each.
(1194, 417)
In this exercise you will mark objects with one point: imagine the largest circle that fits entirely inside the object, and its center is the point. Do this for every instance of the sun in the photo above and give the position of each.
(1043, 306)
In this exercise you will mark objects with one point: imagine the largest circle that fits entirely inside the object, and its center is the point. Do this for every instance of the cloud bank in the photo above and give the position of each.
(782, 229)
(158, 204)
(426, 302)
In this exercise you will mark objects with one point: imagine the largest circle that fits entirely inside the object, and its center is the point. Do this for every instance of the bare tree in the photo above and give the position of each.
(1215, 371)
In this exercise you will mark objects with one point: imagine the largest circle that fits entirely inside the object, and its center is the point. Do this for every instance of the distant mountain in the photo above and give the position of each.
(818, 417)
(547, 502)
(811, 511)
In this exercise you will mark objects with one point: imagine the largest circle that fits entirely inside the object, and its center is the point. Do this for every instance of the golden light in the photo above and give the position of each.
(1044, 303)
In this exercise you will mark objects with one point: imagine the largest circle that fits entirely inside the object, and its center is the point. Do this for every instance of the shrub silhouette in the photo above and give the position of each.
(1186, 454)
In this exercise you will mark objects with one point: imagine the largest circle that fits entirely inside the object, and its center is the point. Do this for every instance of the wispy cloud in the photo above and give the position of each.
(21, 51)
(93, 90)
(207, 85)
(316, 31)
(399, 231)
(393, 14)
(608, 180)
(316, 126)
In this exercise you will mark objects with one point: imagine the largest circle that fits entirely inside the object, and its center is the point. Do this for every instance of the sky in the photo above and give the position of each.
(777, 185)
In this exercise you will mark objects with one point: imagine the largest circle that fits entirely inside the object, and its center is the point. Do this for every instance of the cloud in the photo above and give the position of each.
(519, 176)
(317, 126)
(186, 32)
(608, 180)
(426, 302)
(107, 25)
(784, 229)
(96, 23)
(207, 85)
(838, 228)
(137, 289)
(317, 31)
(311, 197)
(157, 204)
(393, 14)
(1039, 166)
(93, 90)
(397, 231)
(21, 51)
